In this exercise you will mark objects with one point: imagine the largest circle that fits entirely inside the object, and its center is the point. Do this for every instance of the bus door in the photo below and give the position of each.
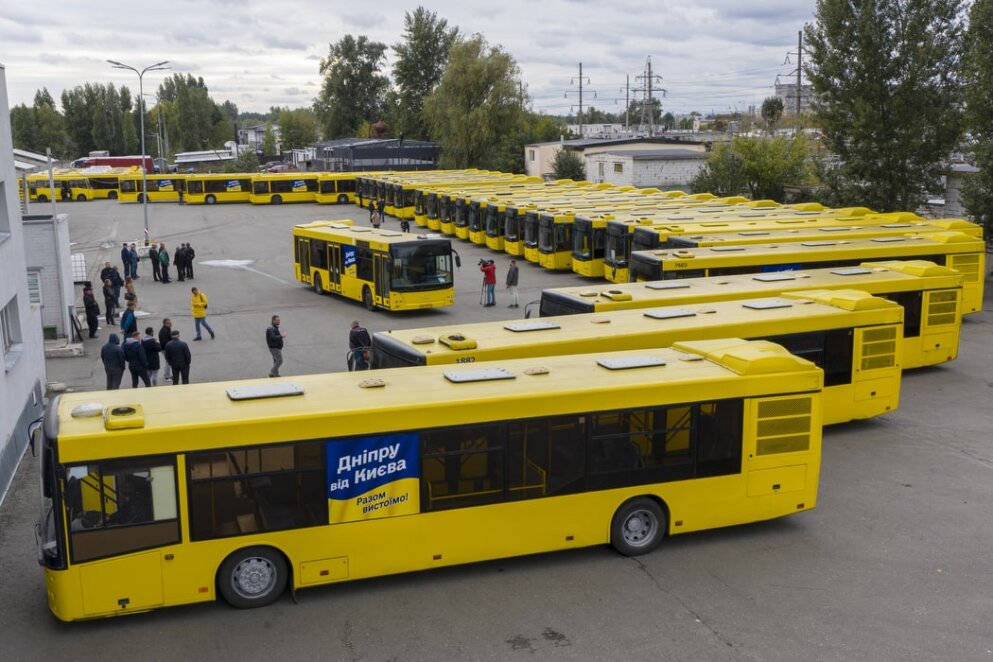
(381, 267)
(334, 267)
(303, 257)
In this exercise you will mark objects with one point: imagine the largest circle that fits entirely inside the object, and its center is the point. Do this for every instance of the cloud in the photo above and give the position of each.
(286, 43)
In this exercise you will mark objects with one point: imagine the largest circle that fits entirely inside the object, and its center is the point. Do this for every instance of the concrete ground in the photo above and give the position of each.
(894, 564)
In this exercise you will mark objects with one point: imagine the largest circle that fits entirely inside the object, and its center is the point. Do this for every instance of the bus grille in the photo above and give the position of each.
(942, 308)
(783, 426)
(879, 348)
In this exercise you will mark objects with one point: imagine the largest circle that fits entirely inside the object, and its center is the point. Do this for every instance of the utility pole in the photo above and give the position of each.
(648, 98)
(627, 102)
(799, 70)
(573, 82)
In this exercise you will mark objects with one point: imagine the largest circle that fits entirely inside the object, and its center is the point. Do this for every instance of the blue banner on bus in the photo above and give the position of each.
(373, 477)
(349, 254)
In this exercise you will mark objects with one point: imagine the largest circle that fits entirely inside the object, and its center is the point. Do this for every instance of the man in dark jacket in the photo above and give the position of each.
(190, 254)
(92, 309)
(274, 341)
(165, 335)
(113, 362)
(134, 354)
(177, 355)
(164, 263)
(118, 283)
(153, 256)
(359, 345)
(109, 301)
(179, 259)
(129, 321)
(106, 272)
(152, 349)
(126, 259)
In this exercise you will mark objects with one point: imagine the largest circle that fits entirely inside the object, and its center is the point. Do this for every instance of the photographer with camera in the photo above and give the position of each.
(489, 281)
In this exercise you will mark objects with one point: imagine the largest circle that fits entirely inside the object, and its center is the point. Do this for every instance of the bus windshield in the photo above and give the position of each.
(421, 266)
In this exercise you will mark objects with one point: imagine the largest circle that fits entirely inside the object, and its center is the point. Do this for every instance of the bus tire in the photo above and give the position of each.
(252, 577)
(210, 199)
(342, 199)
(81, 197)
(638, 527)
(42, 198)
(112, 195)
(317, 283)
(367, 298)
(141, 197)
(276, 200)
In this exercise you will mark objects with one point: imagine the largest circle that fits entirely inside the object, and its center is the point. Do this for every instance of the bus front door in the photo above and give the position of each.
(334, 267)
(381, 266)
(303, 257)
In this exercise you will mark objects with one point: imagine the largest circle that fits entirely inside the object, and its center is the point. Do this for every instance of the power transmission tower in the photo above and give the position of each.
(799, 73)
(580, 81)
(648, 80)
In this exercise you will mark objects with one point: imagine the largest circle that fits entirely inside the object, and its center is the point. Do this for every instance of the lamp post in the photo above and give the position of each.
(141, 107)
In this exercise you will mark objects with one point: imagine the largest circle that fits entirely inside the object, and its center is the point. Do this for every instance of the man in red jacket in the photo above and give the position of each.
(489, 281)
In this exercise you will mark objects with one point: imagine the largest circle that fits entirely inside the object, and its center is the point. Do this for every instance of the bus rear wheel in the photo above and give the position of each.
(81, 197)
(210, 199)
(367, 298)
(317, 284)
(342, 199)
(276, 200)
(141, 197)
(42, 198)
(112, 195)
(638, 527)
(252, 577)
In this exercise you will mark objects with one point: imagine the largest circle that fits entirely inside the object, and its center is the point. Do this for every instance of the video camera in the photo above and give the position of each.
(484, 262)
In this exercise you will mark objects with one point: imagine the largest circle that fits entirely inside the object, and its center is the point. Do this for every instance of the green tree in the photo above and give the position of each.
(477, 103)
(669, 121)
(568, 165)
(772, 110)
(885, 75)
(535, 128)
(760, 168)
(353, 86)
(421, 57)
(297, 128)
(51, 127)
(269, 140)
(977, 193)
(246, 161)
(24, 129)
(192, 114)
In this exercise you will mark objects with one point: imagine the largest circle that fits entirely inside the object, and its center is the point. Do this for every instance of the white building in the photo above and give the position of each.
(539, 157)
(651, 168)
(50, 279)
(21, 344)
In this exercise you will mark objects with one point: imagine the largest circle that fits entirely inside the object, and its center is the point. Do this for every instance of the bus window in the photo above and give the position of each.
(462, 467)
(363, 261)
(104, 498)
(421, 265)
(542, 457)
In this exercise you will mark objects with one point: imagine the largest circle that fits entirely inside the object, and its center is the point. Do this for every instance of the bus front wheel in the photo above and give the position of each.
(367, 298)
(81, 197)
(112, 195)
(638, 527)
(141, 197)
(317, 284)
(42, 198)
(276, 200)
(342, 199)
(210, 199)
(252, 577)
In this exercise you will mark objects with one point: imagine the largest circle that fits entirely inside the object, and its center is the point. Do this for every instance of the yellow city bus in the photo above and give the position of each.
(161, 188)
(215, 188)
(855, 337)
(963, 253)
(105, 181)
(275, 188)
(69, 186)
(160, 497)
(931, 296)
(381, 268)
(337, 188)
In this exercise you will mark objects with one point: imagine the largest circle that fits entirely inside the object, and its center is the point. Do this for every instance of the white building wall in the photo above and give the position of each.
(46, 246)
(666, 174)
(602, 169)
(23, 371)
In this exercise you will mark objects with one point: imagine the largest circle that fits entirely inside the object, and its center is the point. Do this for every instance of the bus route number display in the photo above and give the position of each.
(373, 477)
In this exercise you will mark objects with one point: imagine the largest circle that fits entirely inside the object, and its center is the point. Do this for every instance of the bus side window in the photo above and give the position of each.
(462, 467)
(719, 438)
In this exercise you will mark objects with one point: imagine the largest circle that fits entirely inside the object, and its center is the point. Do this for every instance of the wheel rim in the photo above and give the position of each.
(639, 528)
(253, 578)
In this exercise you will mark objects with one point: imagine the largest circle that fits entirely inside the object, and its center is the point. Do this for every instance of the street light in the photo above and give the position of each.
(141, 104)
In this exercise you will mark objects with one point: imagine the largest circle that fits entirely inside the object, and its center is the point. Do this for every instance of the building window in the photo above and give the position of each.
(531, 155)
(618, 167)
(34, 286)
(4, 219)
(10, 328)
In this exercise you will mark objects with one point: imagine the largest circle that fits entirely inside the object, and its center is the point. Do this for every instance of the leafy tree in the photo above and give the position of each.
(353, 86)
(246, 161)
(757, 167)
(888, 98)
(685, 123)
(977, 193)
(269, 140)
(297, 128)
(421, 58)
(653, 114)
(477, 102)
(51, 126)
(24, 129)
(772, 110)
(669, 121)
(568, 165)
(535, 128)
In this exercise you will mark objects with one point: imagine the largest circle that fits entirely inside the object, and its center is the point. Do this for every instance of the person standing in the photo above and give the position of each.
(190, 254)
(118, 283)
(109, 301)
(130, 296)
(359, 346)
(164, 263)
(129, 322)
(134, 354)
(512, 275)
(177, 355)
(198, 303)
(382, 211)
(92, 309)
(113, 362)
(274, 341)
(153, 256)
(165, 335)
(152, 349)
(106, 272)
(126, 259)
(179, 259)
(489, 281)
(134, 260)
(372, 210)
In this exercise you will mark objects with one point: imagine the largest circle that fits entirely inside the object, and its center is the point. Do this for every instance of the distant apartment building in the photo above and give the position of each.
(21, 347)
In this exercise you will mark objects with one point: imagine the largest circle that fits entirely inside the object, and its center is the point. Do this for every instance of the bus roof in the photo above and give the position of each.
(816, 232)
(345, 232)
(391, 400)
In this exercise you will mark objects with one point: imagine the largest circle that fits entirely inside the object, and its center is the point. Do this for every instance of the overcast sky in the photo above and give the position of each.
(712, 55)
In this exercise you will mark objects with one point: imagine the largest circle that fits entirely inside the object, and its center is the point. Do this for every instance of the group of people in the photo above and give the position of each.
(377, 216)
(488, 267)
(182, 259)
(129, 258)
(140, 355)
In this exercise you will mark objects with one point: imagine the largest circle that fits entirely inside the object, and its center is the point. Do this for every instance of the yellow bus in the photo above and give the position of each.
(336, 188)
(106, 181)
(69, 186)
(381, 268)
(275, 188)
(963, 253)
(160, 497)
(855, 337)
(161, 188)
(215, 188)
(931, 296)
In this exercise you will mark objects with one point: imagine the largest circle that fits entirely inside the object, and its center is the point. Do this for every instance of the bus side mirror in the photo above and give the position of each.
(458, 260)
